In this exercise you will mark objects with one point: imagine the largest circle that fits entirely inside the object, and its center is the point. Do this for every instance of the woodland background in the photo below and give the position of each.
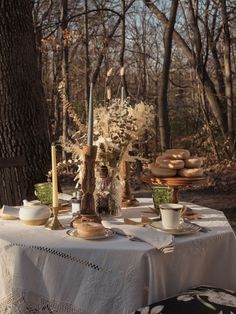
(179, 56)
(176, 56)
(78, 42)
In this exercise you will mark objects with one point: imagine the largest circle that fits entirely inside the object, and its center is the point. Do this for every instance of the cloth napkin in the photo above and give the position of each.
(190, 214)
(160, 240)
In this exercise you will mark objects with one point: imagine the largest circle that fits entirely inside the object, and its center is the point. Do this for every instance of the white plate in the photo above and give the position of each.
(184, 228)
(108, 234)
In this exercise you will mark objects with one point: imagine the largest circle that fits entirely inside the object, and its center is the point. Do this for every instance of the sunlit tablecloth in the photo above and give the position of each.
(44, 271)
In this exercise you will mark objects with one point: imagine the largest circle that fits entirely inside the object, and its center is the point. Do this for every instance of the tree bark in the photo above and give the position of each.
(162, 97)
(23, 123)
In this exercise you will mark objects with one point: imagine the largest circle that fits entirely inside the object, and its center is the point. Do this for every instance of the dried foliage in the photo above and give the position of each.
(69, 107)
(118, 127)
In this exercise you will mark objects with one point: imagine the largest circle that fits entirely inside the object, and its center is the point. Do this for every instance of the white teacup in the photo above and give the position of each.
(170, 215)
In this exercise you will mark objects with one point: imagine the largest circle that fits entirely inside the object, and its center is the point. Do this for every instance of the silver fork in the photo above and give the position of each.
(202, 229)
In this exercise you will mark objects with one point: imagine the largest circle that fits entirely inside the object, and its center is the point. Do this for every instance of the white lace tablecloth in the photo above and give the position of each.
(44, 271)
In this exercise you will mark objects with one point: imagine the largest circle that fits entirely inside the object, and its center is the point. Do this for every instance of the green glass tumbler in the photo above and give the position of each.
(43, 191)
(161, 195)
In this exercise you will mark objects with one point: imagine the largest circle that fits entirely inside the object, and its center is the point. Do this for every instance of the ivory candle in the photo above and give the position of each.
(90, 117)
(54, 177)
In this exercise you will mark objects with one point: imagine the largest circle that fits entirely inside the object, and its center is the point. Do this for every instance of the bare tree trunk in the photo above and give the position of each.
(207, 119)
(207, 84)
(162, 97)
(23, 123)
(212, 42)
(106, 45)
(228, 77)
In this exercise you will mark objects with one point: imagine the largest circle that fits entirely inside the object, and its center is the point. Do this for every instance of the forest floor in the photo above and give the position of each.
(225, 202)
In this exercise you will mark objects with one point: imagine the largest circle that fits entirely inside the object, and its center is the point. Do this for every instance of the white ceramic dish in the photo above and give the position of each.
(34, 213)
(108, 234)
(9, 212)
(183, 229)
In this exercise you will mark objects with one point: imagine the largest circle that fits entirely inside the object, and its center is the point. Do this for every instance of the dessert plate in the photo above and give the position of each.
(9, 213)
(108, 234)
(183, 229)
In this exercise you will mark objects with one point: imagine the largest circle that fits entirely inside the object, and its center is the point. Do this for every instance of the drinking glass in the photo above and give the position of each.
(43, 191)
(161, 194)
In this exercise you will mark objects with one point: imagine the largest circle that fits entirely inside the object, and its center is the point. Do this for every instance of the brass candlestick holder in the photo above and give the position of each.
(87, 213)
(54, 223)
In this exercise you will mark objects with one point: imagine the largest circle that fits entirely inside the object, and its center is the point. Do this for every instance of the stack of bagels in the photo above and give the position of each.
(177, 162)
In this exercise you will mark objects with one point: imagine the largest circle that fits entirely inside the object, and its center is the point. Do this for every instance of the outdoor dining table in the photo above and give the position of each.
(44, 271)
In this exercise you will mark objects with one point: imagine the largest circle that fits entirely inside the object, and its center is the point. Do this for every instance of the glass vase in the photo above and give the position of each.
(108, 194)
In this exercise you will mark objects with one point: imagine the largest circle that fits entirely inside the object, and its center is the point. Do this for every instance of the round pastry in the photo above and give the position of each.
(193, 162)
(171, 163)
(90, 229)
(159, 158)
(176, 154)
(161, 172)
(191, 173)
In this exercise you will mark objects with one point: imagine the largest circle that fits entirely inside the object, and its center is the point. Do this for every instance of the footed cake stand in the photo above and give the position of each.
(174, 182)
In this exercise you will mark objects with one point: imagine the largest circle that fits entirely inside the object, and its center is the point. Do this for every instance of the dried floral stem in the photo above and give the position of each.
(71, 112)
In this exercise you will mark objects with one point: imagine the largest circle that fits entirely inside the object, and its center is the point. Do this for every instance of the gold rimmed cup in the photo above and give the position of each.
(171, 215)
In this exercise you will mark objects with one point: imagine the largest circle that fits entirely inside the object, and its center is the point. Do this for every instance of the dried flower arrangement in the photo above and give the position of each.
(116, 128)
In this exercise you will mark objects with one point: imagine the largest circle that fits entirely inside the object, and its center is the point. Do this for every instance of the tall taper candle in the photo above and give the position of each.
(90, 117)
(54, 177)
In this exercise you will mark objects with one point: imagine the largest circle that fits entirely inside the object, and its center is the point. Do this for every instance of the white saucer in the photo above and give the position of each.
(108, 234)
(183, 229)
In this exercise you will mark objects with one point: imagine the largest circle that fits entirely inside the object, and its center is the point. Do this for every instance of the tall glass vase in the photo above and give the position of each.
(108, 193)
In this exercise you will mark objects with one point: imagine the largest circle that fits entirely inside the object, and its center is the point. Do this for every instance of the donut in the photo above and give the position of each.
(159, 158)
(171, 163)
(176, 154)
(161, 172)
(90, 229)
(193, 162)
(190, 173)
